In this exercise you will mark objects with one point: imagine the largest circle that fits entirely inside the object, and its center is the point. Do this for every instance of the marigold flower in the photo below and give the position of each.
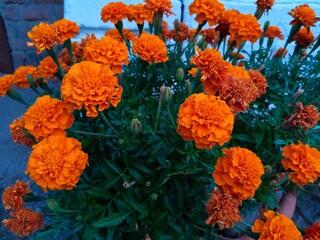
(23, 222)
(207, 10)
(236, 55)
(303, 161)
(245, 28)
(165, 30)
(114, 33)
(5, 84)
(193, 71)
(139, 13)
(192, 32)
(237, 92)
(304, 117)
(43, 36)
(273, 32)
(228, 18)
(223, 209)
(57, 163)
(212, 67)
(205, 119)
(304, 37)
(66, 29)
(89, 84)
(265, 4)
(278, 53)
(210, 35)
(313, 232)
(114, 12)
(17, 133)
(276, 226)
(19, 78)
(150, 48)
(107, 51)
(259, 80)
(48, 116)
(180, 35)
(238, 172)
(159, 6)
(47, 67)
(12, 195)
(304, 15)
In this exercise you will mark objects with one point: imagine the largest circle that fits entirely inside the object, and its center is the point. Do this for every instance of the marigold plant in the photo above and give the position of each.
(12, 195)
(66, 29)
(114, 12)
(207, 11)
(139, 13)
(5, 84)
(304, 15)
(20, 79)
(18, 134)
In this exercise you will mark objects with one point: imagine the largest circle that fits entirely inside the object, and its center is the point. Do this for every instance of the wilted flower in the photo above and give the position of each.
(114, 12)
(278, 53)
(205, 119)
(66, 29)
(273, 32)
(89, 84)
(313, 232)
(303, 162)
(150, 48)
(12, 195)
(136, 126)
(223, 209)
(303, 38)
(56, 163)
(238, 172)
(17, 133)
(276, 226)
(48, 116)
(108, 51)
(159, 6)
(139, 13)
(43, 36)
(207, 10)
(23, 222)
(19, 77)
(5, 84)
(304, 15)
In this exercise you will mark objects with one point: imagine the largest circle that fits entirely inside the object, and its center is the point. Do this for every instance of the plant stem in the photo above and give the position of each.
(170, 115)
(91, 134)
(157, 116)
(101, 114)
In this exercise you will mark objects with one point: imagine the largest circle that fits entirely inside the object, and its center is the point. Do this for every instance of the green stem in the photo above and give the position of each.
(200, 26)
(157, 116)
(295, 28)
(68, 46)
(101, 114)
(170, 115)
(54, 54)
(91, 134)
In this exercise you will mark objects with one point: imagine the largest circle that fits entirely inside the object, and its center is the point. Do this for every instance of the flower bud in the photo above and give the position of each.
(136, 126)
(176, 25)
(165, 94)
(179, 75)
(188, 85)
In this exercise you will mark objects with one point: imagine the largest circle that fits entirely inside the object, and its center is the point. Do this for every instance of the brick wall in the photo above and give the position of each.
(20, 16)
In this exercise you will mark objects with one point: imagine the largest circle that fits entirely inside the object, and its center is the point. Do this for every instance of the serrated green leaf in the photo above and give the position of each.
(113, 219)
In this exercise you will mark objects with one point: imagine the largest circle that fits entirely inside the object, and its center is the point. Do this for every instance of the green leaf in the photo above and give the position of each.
(54, 206)
(243, 137)
(112, 220)
(280, 142)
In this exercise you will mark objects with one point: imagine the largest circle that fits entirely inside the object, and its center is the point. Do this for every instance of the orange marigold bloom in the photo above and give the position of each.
(48, 116)
(238, 172)
(276, 226)
(237, 92)
(182, 33)
(165, 30)
(223, 209)
(57, 163)
(114, 33)
(139, 13)
(279, 52)
(193, 71)
(207, 10)
(210, 35)
(228, 18)
(265, 4)
(313, 232)
(89, 84)
(150, 48)
(66, 29)
(212, 67)
(245, 28)
(303, 161)
(304, 37)
(259, 80)
(304, 117)
(43, 36)
(12, 195)
(5, 84)
(205, 119)
(19, 78)
(47, 67)
(23, 222)
(273, 32)
(304, 15)
(107, 51)
(114, 12)
(159, 6)
(17, 133)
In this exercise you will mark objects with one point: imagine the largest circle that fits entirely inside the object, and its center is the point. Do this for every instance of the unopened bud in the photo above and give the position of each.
(136, 126)
(165, 94)
(188, 85)
(179, 75)
(176, 25)
(297, 93)
(265, 26)
(267, 169)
